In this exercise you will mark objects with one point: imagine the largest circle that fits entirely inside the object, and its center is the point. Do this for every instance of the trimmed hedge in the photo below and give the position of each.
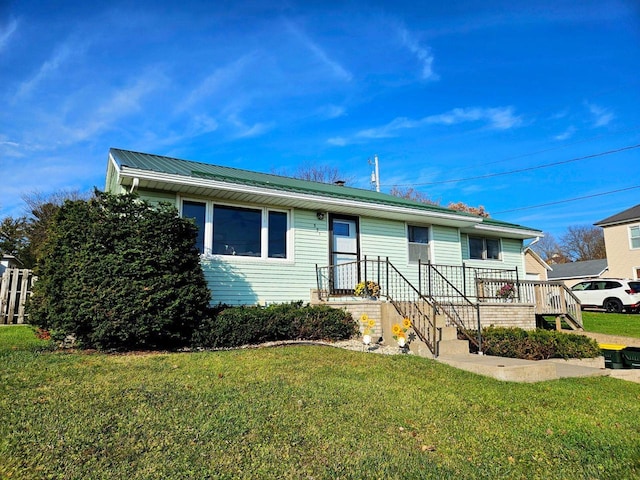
(236, 326)
(536, 344)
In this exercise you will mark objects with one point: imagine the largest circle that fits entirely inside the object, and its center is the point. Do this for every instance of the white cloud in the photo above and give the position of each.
(337, 141)
(331, 111)
(60, 56)
(500, 118)
(247, 131)
(217, 81)
(568, 133)
(6, 33)
(422, 53)
(336, 69)
(601, 116)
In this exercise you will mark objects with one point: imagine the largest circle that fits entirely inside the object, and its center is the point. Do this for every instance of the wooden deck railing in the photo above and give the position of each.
(15, 288)
(548, 298)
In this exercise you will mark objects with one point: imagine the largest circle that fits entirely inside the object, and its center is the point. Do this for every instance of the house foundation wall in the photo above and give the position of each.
(520, 315)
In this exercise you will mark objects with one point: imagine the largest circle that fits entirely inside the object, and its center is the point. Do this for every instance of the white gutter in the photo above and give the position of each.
(524, 233)
(265, 191)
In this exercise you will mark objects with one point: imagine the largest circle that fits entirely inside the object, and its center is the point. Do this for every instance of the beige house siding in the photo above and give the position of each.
(533, 267)
(623, 260)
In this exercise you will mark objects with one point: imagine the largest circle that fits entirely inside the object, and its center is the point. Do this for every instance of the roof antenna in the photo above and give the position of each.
(375, 175)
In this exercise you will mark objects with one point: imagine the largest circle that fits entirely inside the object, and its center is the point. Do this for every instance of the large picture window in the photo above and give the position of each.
(634, 236)
(239, 231)
(481, 248)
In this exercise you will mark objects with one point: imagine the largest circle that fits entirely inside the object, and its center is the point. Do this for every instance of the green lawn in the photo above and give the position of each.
(300, 412)
(624, 324)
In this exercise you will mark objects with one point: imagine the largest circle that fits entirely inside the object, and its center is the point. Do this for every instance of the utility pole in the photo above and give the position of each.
(375, 175)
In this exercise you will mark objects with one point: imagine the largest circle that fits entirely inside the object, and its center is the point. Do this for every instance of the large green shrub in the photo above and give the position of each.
(120, 274)
(536, 344)
(236, 326)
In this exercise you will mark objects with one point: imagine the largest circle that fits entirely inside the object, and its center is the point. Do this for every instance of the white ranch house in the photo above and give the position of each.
(270, 239)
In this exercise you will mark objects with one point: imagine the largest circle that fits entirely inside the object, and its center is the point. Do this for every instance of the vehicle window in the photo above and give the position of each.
(635, 286)
(613, 285)
(581, 286)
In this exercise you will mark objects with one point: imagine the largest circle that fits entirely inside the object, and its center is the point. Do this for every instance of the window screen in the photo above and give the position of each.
(418, 239)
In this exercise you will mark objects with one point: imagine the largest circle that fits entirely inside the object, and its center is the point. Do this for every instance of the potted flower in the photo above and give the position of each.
(368, 325)
(507, 292)
(399, 332)
(367, 288)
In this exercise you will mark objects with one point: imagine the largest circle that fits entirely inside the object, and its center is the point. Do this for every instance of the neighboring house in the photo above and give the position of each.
(9, 261)
(535, 267)
(574, 272)
(622, 242)
(263, 236)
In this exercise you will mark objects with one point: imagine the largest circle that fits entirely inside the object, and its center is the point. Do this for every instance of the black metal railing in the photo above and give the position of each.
(378, 277)
(457, 307)
(465, 279)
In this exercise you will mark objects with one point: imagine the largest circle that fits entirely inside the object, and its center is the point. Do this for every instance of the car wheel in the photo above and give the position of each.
(612, 305)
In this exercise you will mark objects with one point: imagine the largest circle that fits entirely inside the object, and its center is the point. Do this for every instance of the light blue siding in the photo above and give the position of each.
(256, 281)
(154, 198)
(446, 246)
(384, 238)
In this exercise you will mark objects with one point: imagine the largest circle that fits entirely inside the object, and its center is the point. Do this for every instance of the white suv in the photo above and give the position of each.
(612, 294)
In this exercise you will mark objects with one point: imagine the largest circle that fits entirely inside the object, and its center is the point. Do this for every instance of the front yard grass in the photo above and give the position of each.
(302, 412)
(622, 324)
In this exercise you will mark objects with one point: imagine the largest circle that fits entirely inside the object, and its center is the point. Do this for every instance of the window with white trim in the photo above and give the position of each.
(634, 236)
(239, 231)
(418, 242)
(484, 248)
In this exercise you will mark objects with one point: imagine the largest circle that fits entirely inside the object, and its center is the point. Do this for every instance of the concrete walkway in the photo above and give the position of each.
(528, 371)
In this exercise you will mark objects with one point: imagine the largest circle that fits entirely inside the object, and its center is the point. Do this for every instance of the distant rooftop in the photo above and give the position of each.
(629, 215)
(586, 269)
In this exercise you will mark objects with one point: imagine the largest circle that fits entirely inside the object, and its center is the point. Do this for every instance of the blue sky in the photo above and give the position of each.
(452, 96)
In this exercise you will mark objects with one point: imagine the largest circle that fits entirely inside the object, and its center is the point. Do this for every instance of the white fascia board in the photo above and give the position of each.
(461, 221)
(507, 231)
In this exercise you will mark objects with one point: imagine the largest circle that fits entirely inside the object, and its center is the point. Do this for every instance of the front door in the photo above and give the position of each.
(344, 253)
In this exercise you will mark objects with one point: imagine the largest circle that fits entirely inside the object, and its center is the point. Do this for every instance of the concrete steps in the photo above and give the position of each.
(447, 340)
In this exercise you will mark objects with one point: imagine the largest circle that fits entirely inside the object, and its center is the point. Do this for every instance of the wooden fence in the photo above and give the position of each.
(15, 288)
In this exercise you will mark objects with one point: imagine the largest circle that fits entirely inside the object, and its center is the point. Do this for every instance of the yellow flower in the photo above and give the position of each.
(396, 329)
(401, 334)
(371, 323)
(364, 317)
(406, 323)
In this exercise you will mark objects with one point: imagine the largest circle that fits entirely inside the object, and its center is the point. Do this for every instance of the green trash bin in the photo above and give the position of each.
(612, 355)
(631, 357)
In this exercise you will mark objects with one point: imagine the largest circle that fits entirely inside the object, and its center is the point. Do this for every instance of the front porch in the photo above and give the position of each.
(444, 299)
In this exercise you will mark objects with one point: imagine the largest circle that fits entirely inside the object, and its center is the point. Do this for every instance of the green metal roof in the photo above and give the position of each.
(188, 168)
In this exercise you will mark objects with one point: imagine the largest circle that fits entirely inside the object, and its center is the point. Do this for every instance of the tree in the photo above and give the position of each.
(463, 207)
(582, 243)
(117, 273)
(316, 173)
(411, 193)
(41, 209)
(14, 240)
(549, 249)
